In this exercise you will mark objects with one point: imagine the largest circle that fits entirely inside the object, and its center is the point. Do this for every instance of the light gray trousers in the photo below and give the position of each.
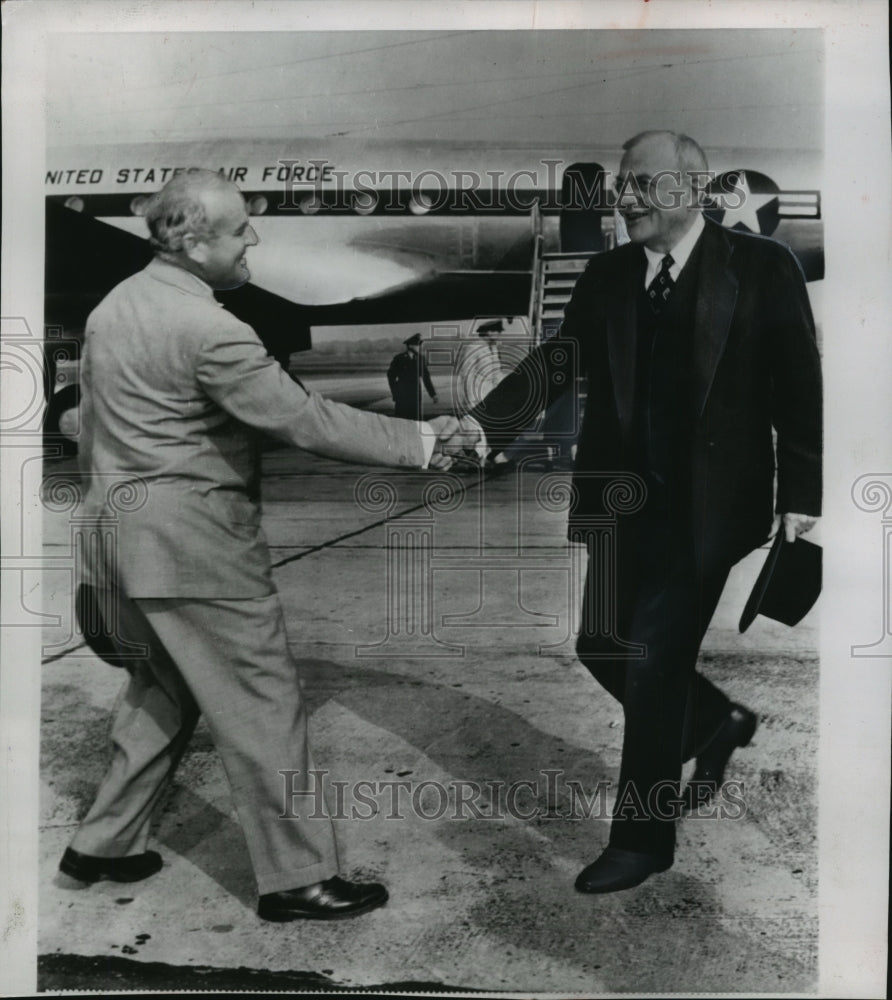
(228, 660)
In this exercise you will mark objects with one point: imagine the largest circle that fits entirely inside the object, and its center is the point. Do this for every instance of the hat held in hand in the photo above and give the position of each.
(788, 585)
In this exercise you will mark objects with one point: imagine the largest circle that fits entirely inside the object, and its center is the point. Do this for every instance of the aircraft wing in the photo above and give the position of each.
(454, 295)
(86, 258)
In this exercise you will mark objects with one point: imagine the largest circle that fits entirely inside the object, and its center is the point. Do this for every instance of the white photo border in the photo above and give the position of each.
(857, 200)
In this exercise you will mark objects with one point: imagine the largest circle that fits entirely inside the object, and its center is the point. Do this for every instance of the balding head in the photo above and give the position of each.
(680, 151)
(661, 179)
(198, 222)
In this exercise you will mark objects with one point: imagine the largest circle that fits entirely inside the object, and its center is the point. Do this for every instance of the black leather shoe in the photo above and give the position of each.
(619, 869)
(333, 899)
(736, 731)
(88, 868)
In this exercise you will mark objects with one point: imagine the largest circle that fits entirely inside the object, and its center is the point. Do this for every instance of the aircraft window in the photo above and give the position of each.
(365, 202)
(310, 205)
(74, 203)
(258, 205)
(420, 204)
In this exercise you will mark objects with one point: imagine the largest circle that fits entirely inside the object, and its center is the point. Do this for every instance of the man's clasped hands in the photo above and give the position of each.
(460, 442)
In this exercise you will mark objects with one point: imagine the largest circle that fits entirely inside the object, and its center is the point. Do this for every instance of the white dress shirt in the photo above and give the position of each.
(680, 253)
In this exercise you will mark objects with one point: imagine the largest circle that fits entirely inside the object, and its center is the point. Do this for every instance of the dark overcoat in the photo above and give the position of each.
(756, 370)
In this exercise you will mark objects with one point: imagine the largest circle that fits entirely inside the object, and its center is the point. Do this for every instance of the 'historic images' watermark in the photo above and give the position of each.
(550, 795)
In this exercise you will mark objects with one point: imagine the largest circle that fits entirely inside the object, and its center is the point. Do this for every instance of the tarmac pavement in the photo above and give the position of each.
(451, 666)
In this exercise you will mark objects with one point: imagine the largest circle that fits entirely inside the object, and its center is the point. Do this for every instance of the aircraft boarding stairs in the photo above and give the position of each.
(554, 280)
(554, 277)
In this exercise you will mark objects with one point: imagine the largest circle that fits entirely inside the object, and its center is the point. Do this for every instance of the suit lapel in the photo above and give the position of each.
(622, 333)
(716, 296)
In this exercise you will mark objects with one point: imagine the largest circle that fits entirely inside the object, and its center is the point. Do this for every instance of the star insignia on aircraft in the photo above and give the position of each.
(747, 211)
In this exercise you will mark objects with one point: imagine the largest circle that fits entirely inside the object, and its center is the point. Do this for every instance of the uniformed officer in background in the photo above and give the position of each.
(405, 374)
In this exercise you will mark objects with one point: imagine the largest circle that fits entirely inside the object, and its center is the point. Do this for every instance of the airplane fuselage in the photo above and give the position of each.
(339, 222)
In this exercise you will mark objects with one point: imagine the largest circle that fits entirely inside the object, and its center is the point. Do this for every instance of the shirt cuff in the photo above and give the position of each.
(428, 440)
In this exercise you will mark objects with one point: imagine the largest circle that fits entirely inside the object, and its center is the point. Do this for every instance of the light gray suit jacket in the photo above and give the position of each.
(174, 391)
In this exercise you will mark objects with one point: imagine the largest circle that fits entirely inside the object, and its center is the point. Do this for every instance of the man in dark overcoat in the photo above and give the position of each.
(698, 344)
(406, 372)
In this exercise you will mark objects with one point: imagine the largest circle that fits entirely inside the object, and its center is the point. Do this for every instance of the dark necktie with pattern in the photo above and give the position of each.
(659, 290)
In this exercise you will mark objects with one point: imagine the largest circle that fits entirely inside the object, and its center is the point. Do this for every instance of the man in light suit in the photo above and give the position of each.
(696, 342)
(175, 394)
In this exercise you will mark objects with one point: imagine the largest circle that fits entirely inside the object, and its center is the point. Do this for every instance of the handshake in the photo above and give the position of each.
(460, 442)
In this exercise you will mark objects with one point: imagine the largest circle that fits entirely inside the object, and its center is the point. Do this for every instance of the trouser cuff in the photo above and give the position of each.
(296, 878)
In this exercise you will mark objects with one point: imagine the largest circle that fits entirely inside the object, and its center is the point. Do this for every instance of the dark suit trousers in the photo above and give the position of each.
(664, 602)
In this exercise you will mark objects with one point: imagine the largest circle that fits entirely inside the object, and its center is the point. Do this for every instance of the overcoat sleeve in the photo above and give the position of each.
(543, 376)
(426, 375)
(796, 391)
(393, 375)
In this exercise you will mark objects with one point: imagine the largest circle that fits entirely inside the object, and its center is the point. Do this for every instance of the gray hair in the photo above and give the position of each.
(689, 154)
(177, 209)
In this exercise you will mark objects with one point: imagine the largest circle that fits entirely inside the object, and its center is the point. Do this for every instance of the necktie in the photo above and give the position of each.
(659, 290)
